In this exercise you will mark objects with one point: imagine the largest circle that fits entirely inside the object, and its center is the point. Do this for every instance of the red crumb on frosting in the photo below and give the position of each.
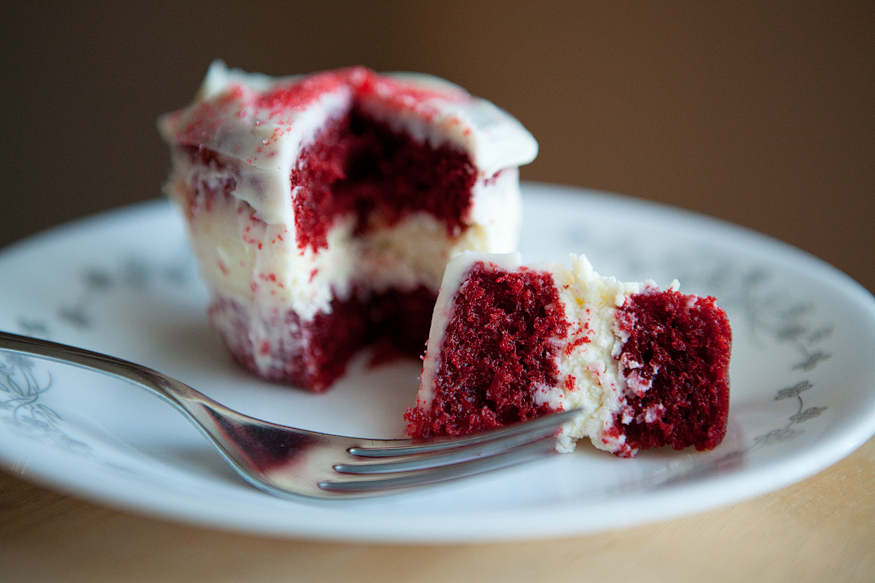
(495, 354)
(570, 383)
(282, 101)
(683, 346)
(400, 94)
(582, 337)
(298, 93)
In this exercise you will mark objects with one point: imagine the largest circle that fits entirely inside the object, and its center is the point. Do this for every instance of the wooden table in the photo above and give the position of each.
(822, 529)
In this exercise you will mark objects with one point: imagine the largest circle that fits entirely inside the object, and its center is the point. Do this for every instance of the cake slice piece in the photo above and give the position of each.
(323, 208)
(508, 343)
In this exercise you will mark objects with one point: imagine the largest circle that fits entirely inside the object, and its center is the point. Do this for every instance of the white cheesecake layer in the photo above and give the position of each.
(590, 377)
(253, 262)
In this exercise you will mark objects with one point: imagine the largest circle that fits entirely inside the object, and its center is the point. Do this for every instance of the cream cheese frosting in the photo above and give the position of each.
(231, 116)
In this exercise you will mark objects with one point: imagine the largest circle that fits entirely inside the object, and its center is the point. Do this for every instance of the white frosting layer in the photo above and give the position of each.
(228, 118)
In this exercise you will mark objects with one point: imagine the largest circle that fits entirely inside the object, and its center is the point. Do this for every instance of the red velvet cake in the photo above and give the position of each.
(324, 208)
(648, 367)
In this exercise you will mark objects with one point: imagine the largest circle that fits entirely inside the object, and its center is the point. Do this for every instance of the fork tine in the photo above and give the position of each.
(475, 449)
(542, 425)
(507, 458)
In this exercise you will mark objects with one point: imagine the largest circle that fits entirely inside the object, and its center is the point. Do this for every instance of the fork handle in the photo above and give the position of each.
(250, 445)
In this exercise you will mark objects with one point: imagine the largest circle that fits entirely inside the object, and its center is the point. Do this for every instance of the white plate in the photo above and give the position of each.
(803, 382)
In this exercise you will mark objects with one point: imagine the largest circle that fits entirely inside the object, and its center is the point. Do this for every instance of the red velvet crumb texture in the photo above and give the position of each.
(496, 350)
(358, 166)
(684, 347)
(393, 323)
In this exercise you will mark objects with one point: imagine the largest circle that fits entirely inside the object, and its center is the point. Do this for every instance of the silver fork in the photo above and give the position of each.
(290, 462)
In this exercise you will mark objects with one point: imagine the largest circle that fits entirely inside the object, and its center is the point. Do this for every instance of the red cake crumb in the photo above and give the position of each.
(689, 343)
(361, 167)
(495, 352)
(315, 354)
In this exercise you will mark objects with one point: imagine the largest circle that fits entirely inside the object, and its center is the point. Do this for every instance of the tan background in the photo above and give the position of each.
(761, 113)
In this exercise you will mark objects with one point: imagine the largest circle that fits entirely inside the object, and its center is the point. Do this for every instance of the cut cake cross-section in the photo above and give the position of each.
(508, 342)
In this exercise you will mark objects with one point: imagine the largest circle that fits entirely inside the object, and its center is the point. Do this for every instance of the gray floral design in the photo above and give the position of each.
(135, 274)
(24, 380)
(21, 386)
(776, 317)
(761, 302)
(791, 430)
